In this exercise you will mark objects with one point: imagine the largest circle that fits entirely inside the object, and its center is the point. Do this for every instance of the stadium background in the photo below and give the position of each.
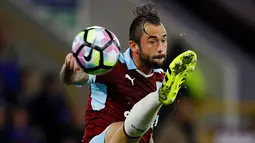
(35, 35)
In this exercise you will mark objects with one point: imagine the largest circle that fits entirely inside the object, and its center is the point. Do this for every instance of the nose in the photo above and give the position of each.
(161, 48)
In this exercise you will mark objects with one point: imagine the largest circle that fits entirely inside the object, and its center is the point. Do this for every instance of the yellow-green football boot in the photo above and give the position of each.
(179, 69)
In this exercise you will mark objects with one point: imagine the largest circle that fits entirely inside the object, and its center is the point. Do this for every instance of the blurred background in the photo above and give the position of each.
(217, 104)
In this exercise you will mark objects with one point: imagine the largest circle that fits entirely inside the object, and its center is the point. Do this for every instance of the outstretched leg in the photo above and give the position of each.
(144, 112)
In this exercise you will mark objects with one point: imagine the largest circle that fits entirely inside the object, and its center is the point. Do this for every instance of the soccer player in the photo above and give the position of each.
(123, 104)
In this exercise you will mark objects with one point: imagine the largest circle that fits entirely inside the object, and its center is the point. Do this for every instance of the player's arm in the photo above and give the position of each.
(71, 74)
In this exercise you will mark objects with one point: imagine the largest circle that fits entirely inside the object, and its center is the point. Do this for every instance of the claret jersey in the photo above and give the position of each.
(112, 95)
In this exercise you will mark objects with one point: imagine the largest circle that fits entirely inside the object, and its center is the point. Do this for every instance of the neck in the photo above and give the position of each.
(140, 66)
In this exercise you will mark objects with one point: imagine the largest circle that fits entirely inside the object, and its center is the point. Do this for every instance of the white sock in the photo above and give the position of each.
(142, 115)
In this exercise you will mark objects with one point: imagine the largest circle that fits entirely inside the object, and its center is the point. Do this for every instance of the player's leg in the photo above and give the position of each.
(138, 122)
(116, 134)
(113, 134)
(144, 112)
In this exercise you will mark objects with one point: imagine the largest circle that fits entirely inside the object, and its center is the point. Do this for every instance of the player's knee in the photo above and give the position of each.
(116, 134)
(112, 131)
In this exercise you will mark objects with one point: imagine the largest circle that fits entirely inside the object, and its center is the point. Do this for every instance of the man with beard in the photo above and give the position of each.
(123, 104)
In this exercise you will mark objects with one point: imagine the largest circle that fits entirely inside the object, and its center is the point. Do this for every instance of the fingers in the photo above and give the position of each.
(69, 61)
(76, 66)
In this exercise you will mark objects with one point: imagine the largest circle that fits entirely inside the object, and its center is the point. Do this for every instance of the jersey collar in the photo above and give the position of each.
(128, 60)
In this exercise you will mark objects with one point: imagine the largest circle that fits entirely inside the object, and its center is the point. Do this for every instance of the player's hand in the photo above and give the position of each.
(71, 63)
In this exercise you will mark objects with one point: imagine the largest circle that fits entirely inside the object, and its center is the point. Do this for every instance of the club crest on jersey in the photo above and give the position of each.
(129, 78)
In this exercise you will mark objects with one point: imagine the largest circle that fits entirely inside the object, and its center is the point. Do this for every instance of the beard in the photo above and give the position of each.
(147, 61)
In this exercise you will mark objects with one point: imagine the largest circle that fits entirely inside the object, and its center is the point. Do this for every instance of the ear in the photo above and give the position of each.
(133, 46)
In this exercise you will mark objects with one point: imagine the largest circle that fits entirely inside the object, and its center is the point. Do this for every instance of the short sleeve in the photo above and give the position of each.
(95, 79)
(103, 78)
(92, 79)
